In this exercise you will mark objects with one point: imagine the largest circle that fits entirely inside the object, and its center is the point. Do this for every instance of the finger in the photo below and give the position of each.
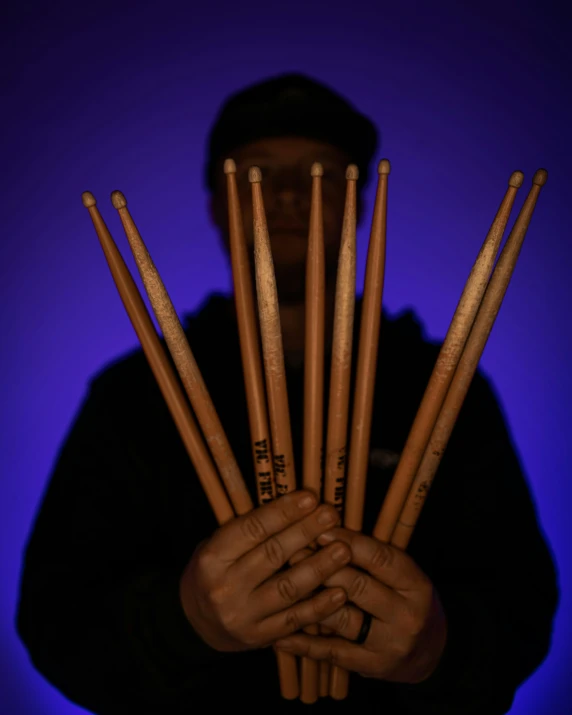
(301, 615)
(299, 581)
(336, 651)
(369, 594)
(386, 563)
(262, 562)
(347, 622)
(248, 531)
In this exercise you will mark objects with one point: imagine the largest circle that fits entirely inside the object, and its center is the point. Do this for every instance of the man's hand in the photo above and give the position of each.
(408, 628)
(234, 590)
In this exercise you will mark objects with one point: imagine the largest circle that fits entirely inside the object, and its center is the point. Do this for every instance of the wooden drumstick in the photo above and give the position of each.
(249, 345)
(365, 381)
(467, 367)
(367, 357)
(185, 363)
(341, 366)
(272, 349)
(161, 368)
(276, 388)
(445, 366)
(313, 386)
(340, 376)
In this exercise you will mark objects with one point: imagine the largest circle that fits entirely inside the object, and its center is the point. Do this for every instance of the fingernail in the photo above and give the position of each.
(339, 553)
(325, 516)
(338, 597)
(284, 645)
(307, 501)
(326, 538)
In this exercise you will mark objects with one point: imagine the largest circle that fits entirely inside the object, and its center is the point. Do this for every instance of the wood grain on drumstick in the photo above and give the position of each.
(467, 367)
(367, 357)
(365, 381)
(342, 346)
(185, 363)
(340, 380)
(254, 381)
(276, 388)
(161, 368)
(445, 366)
(313, 387)
(249, 344)
(272, 349)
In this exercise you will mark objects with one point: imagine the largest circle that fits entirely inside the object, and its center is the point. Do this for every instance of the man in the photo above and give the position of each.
(134, 601)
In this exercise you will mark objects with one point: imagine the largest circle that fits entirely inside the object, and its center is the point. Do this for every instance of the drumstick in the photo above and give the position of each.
(273, 358)
(161, 368)
(367, 357)
(255, 395)
(445, 366)
(313, 386)
(340, 374)
(248, 333)
(185, 362)
(341, 366)
(467, 367)
(365, 381)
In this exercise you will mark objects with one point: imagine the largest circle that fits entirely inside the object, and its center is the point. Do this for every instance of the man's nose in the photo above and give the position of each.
(291, 189)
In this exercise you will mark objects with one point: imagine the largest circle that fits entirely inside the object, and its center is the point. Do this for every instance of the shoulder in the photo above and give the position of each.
(129, 377)
(410, 347)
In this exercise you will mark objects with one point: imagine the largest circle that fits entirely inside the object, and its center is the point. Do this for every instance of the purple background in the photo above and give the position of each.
(122, 97)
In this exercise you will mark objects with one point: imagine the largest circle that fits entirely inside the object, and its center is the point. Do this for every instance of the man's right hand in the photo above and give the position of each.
(234, 590)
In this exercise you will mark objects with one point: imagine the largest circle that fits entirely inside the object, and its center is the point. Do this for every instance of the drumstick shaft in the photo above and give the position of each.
(340, 380)
(276, 388)
(313, 387)
(367, 358)
(467, 367)
(249, 345)
(272, 349)
(445, 366)
(340, 372)
(365, 382)
(161, 368)
(185, 363)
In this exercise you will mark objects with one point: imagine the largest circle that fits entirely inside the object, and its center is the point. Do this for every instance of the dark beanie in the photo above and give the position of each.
(291, 105)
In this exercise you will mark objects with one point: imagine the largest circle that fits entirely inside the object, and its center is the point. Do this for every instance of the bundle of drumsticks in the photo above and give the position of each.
(343, 483)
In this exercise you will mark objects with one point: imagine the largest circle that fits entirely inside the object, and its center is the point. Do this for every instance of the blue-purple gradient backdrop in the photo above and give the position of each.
(122, 96)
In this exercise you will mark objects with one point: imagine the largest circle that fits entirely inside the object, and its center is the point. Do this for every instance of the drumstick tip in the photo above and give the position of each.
(516, 179)
(384, 167)
(229, 166)
(118, 200)
(352, 173)
(317, 169)
(88, 199)
(254, 175)
(540, 177)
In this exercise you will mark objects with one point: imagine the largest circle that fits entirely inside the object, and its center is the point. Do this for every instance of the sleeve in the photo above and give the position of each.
(494, 572)
(99, 609)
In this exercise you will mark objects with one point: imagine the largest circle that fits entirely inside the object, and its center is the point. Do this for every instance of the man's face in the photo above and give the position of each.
(285, 163)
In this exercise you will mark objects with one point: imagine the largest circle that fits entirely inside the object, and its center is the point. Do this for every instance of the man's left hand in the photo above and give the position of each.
(408, 628)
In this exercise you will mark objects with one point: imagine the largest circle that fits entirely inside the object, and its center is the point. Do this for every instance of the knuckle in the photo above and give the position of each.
(344, 617)
(333, 655)
(274, 552)
(381, 557)
(217, 596)
(205, 559)
(319, 569)
(357, 587)
(293, 621)
(287, 589)
(414, 621)
(253, 529)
